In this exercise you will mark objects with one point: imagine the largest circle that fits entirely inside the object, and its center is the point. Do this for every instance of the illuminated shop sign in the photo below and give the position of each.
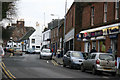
(86, 35)
(105, 31)
(112, 30)
(97, 33)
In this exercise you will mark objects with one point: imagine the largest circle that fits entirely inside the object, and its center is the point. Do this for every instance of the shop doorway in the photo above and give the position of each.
(87, 47)
(101, 46)
(114, 46)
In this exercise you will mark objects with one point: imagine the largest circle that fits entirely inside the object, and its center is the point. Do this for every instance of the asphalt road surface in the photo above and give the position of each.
(30, 66)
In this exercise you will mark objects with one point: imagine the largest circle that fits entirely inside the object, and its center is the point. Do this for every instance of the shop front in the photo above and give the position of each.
(69, 40)
(101, 38)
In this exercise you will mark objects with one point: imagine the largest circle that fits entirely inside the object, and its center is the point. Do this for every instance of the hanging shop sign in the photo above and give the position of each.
(79, 37)
(114, 30)
(113, 36)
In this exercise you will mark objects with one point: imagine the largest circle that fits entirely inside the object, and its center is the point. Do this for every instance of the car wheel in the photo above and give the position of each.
(40, 57)
(82, 68)
(114, 73)
(94, 71)
(50, 58)
(71, 66)
(64, 65)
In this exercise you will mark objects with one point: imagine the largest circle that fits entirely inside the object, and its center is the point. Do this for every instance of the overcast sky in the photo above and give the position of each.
(32, 11)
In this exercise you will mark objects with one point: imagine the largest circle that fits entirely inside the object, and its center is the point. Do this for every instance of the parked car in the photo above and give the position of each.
(37, 51)
(2, 53)
(100, 62)
(30, 51)
(11, 49)
(46, 54)
(74, 59)
(17, 51)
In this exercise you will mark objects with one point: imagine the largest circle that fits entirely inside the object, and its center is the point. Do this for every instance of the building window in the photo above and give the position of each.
(117, 10)
(33, 40)
(33, 47)
(92, 15)
(105, 12)
(37, 46)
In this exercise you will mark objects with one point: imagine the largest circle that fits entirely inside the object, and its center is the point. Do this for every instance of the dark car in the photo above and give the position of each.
(74, 59)
(30, 51)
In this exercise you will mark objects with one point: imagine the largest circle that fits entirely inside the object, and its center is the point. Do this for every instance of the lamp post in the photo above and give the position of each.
(58, 25)
(64, 45)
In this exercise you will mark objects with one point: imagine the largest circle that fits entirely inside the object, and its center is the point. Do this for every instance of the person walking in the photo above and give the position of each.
(109, 50)
(103, 47)
(93, 50)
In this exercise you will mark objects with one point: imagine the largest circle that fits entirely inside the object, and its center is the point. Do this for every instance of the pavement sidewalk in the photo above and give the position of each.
(58, 60)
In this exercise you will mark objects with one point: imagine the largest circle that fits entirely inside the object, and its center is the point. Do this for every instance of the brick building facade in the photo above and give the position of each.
(73, 26)
(100, 26)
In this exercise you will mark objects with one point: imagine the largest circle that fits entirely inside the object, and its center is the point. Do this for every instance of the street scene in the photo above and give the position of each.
(74, 39)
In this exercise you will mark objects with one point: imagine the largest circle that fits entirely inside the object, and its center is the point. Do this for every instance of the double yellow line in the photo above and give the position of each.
(7, 72)
(54, 63)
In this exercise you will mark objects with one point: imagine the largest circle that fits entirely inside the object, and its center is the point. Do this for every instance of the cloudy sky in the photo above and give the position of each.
(32, 11)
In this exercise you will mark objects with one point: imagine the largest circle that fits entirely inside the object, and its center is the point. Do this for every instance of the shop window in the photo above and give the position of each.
(94, 44)
(117, 9)
(105, 12)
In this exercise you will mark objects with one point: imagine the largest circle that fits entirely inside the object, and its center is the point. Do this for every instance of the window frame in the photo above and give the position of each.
(117, 9)
(92, 15)
(105, 11)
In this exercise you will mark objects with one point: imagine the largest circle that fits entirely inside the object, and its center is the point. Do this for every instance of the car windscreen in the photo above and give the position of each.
(106, 57)
(77, 54)
(46, 50)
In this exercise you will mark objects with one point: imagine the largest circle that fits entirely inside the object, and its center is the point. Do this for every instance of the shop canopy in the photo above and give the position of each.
(100, 28)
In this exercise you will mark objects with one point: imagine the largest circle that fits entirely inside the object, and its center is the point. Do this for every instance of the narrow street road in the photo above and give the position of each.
(30, 66)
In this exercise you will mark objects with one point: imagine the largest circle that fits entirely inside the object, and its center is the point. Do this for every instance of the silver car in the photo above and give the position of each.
(46, 54)
(74, 59)
(100, 62)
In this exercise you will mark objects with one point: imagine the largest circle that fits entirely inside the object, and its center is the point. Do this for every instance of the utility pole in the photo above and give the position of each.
(64, 45)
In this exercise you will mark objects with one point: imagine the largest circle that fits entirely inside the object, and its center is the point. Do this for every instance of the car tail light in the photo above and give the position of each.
(115, 63)
(97, 62)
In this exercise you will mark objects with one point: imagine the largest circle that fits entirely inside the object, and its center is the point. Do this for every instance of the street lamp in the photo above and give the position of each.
(64, 44)
(58, 25)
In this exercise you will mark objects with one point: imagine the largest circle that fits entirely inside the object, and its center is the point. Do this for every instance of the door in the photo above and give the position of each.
(91, 61)
(68, 58)
(87, 47)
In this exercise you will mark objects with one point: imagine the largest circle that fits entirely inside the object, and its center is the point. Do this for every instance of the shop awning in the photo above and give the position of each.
(27, 35)
(100, 28)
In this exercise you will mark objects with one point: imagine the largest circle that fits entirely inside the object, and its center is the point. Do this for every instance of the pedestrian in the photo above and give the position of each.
(109, 50)
(93, 50)
(103, 47)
